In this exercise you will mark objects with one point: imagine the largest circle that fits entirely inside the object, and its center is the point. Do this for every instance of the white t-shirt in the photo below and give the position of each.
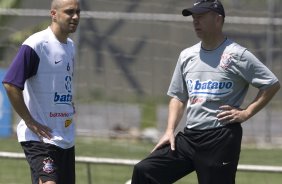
(43, 68)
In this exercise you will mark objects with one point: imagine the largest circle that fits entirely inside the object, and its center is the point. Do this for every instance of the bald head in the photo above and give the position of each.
(56, 4)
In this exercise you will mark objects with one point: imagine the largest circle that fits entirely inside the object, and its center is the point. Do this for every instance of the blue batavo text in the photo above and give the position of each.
(62, 98)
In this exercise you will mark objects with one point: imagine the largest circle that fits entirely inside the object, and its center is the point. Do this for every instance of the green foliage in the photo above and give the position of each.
(8, 4)
(18, 37)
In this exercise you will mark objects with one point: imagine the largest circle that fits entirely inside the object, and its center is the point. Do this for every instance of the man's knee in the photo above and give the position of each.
(47, 182)
(140, 167)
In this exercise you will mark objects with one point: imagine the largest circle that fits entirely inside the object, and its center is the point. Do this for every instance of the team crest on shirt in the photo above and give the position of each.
(48, 165)
(225, 60)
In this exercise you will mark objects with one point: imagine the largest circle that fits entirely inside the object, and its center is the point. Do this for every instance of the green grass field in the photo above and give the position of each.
(17, 171)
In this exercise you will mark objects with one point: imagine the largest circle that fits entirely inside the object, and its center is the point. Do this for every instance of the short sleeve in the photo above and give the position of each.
(24, 66)
(178, 87)
(255, 72)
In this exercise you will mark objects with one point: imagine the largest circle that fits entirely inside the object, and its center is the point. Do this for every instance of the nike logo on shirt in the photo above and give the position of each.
(56, 62)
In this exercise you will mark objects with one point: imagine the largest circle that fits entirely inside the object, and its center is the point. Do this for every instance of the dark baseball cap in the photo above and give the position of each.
(203, 6)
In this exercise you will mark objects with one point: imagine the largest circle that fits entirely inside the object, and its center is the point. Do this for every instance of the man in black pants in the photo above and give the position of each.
(211, 79)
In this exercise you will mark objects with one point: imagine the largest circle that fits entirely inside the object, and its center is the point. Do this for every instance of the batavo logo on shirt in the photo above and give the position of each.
(64, 98)
(209, 88)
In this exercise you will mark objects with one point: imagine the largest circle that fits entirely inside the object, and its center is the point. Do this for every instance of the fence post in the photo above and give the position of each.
(88, 165)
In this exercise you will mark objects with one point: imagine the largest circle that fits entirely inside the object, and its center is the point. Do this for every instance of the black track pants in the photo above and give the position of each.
(213, 154)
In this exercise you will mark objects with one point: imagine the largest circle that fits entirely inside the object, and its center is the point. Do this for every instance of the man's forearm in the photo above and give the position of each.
(175, 112)
(16, 98)
(261, 100)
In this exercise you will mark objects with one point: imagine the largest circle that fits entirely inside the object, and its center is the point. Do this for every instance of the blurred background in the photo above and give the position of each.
(126, 54)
